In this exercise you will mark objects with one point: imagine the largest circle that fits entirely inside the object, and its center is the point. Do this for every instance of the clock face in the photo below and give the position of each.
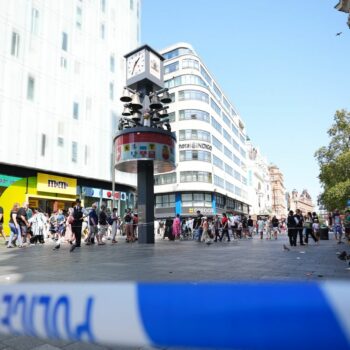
(154, 65)
(135, 64)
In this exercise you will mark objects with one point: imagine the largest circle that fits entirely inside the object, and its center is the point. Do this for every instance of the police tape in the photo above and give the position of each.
(224, 315)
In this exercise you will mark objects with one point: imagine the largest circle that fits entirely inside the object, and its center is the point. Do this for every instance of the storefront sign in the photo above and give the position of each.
(33, 203)
(195, 145)
(6, 181)
(56, 184)
(193, 211)
(107, 194)
(91, 192)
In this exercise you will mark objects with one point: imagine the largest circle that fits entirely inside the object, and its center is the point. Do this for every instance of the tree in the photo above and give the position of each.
(334, 162)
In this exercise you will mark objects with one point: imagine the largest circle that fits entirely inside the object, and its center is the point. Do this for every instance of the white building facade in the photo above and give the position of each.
(211, 173)
(259, 185)
(61, 74)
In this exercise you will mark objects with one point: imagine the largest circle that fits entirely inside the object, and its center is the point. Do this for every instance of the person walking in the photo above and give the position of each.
(38, 222)
(129, 226)
(250, 224)
(205, 235)
(337, 226)
(308, 228)
(292, 229)
(224, 225)
(93, 225)
(261, 227)
(102, 225)
(299, 221)
(77, 224)
(23, 223)
(197, 226)
(216, 227)
(177, 226)
(68, 235)
(275, 226)
(14, 227)
(115, 224)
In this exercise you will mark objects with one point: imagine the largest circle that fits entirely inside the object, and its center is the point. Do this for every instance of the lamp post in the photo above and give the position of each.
(144, 143)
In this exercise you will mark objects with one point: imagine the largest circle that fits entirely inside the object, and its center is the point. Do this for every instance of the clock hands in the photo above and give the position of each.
(133, 68)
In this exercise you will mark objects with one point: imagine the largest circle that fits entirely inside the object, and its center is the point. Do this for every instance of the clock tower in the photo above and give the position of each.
(144, 69)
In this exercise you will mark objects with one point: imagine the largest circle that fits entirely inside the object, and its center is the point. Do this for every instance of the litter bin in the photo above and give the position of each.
(324, 232)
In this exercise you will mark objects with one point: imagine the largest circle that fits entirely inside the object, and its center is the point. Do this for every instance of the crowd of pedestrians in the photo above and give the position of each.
(30, 227)
(297, 226)
(97, 226)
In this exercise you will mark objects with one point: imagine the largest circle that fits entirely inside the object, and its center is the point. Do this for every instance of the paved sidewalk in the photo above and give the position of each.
(244, 260)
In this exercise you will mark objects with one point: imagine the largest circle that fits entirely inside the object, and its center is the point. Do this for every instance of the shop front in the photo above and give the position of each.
(45, 191)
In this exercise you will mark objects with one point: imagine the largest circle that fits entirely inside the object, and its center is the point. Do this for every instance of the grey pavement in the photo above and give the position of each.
(189, 261)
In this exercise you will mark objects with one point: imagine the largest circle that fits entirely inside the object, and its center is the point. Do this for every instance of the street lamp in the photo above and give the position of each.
(144, 143)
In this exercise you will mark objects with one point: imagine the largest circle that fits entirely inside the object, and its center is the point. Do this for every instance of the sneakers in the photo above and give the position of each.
(114, 241)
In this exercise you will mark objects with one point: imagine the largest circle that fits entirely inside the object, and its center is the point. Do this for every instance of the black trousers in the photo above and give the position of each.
(293, 234)
(308, 232)
(225, 232)
(300, 231)
(77, 233)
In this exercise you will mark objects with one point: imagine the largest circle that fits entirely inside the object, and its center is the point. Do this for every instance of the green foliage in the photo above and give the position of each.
(334, 162)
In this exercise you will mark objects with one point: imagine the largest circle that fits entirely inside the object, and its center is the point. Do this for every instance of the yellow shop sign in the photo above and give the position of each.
(56, 184)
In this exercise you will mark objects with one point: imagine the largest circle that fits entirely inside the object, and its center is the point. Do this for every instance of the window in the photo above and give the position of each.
(60, 141)
(228, 169)
(74, 152)
(79, 16)
(217, 143)
(227, 152)
(215, 107)
(177, 52)
(233, 112)
(165, 179)
(219, 181)
(226, 120)
(131, 5)
(193, 95)
(227, 136)
(186, 79)
(237, 175)
(229, 186)
(75, 110)
(102, 31)
(63, 62)
(196, 199)
(236, 160)
(194, 114)
(235, 144)
(34, 28)
(15, 44)
(226, 104)
(165, 201)
(195, 176)
(216, 124)
(172, 67)
(103, 5)
(243, 152)
(217, 91)
(111, 91)
(194, 134)
(43, 144)
(189, 155)
(64, 41)
(206, 75)
(190, 63)
(242, 138)
(218, 162)
(112, 63)
(238, 191)
(235, 130)
(30, 88)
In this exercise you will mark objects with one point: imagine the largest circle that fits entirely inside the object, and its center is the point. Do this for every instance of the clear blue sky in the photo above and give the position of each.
(279, 62)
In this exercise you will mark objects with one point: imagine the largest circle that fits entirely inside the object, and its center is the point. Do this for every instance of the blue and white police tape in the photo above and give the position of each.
(224, 315)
